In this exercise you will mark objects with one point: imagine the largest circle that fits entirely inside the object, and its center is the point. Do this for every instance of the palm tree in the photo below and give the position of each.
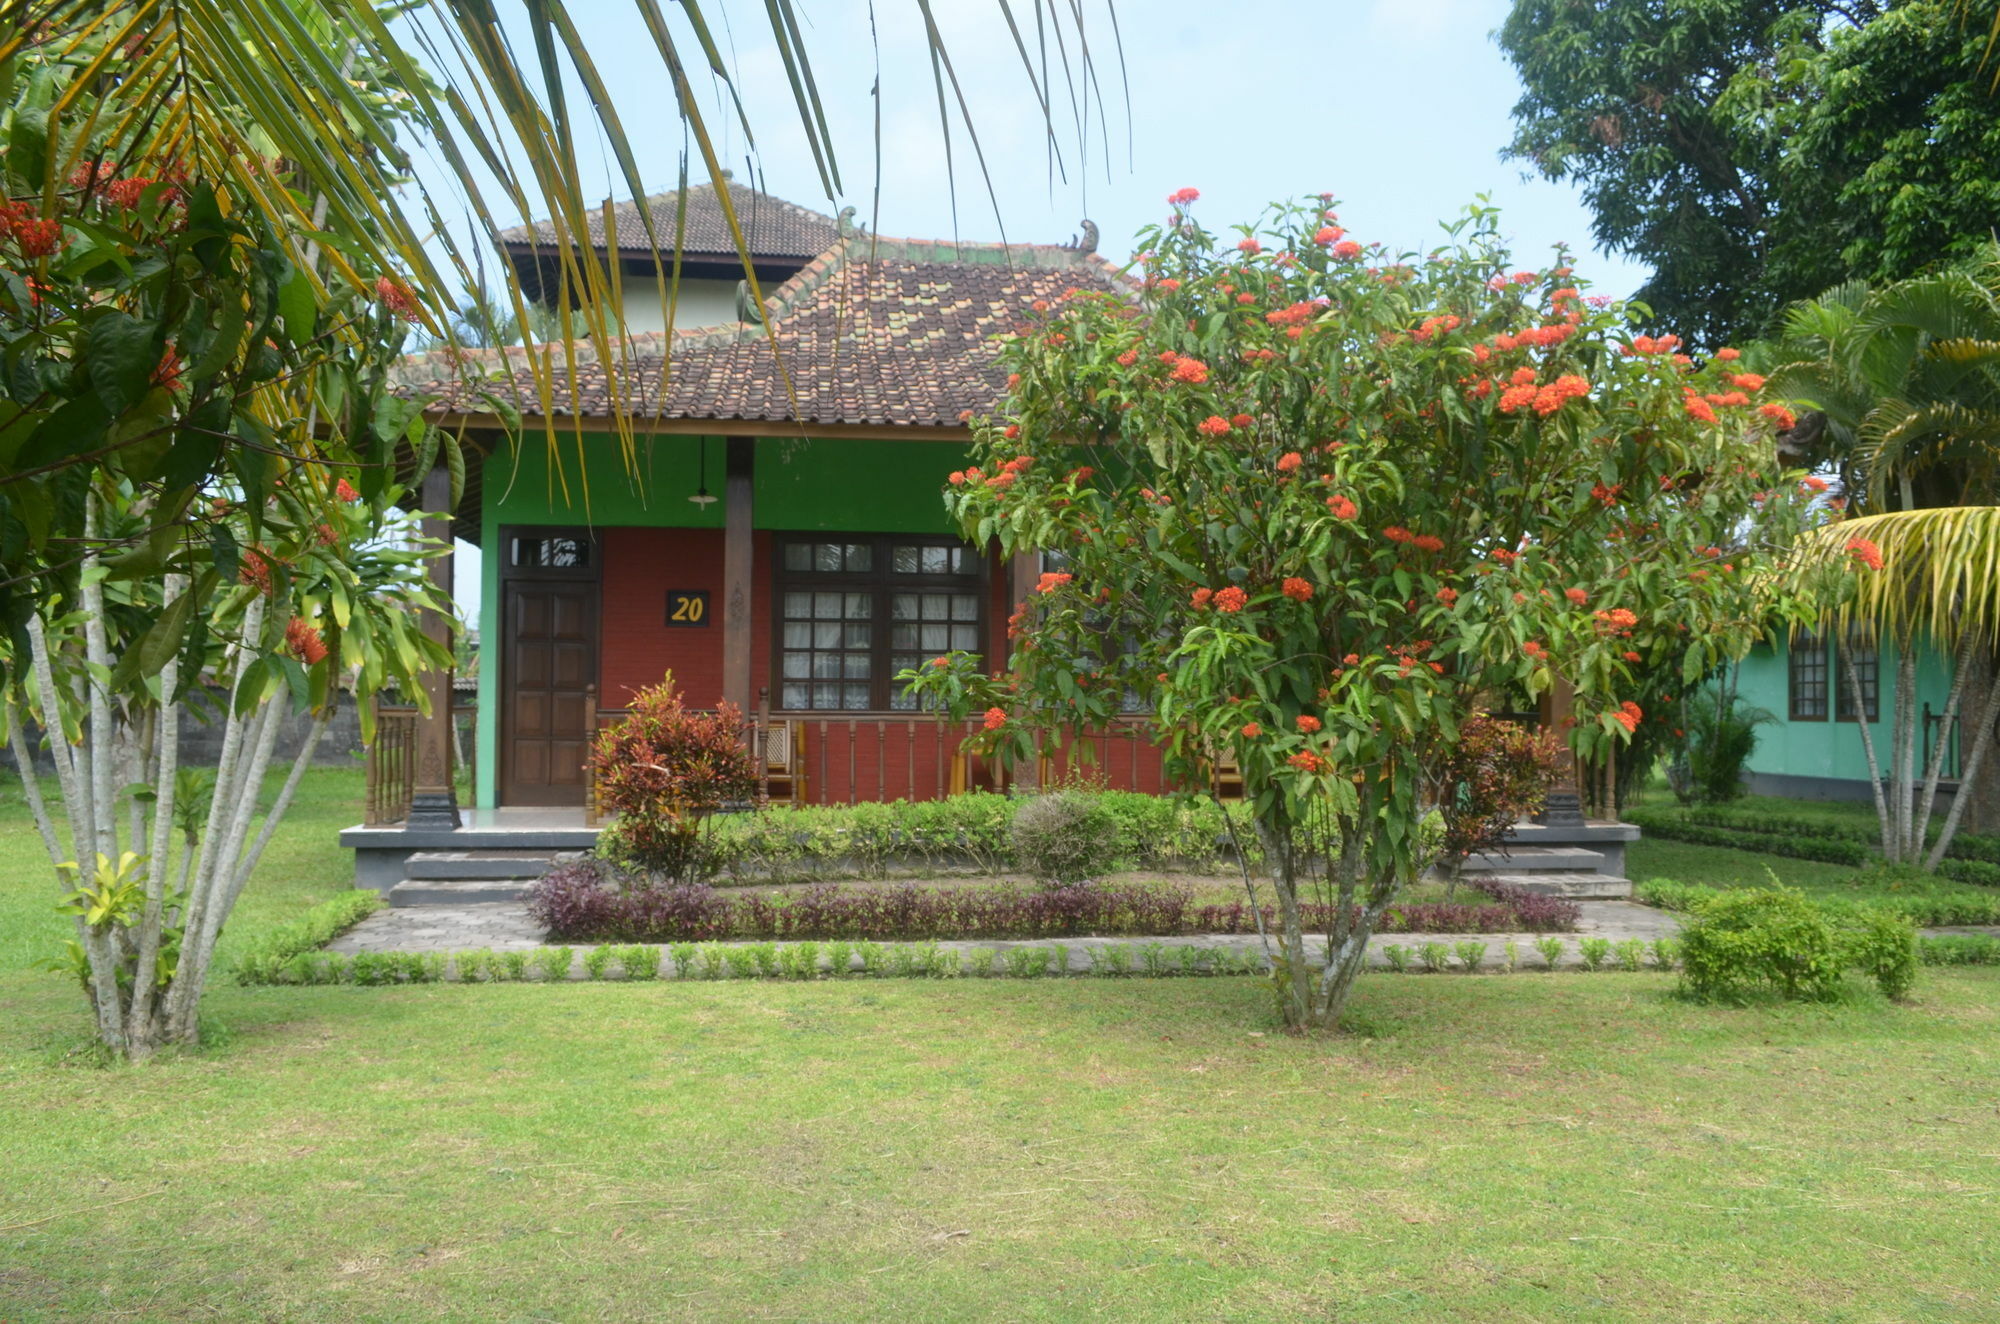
(1906, 379)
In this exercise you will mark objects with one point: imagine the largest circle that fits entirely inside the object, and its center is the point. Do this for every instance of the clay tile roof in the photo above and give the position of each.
(897, 332)
(772, 227)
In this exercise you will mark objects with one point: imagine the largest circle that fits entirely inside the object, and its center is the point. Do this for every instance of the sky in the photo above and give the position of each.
(1397, 107)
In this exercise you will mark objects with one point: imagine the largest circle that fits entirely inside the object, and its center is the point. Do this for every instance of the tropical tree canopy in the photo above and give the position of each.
(1756, 152)
(1317, 506)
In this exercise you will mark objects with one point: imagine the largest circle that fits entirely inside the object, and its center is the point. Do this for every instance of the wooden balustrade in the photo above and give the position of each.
(392, 765)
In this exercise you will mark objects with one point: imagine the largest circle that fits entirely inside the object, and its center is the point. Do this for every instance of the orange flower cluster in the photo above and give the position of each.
(1249, 246)
(1619, 620)
(1698, 408)
(1213, 426)
(1328, 234)
(1231, 599)
(1447, 596)
(168, 372)
(1294, 315)
(1434, 326)
(1341, 507)
(396, 297)
(1051, 581)
(1298, 590)
(1307, 761)
(1535, 337)
(1865, 552)
(1780, 415)
(1544, 400)
(304, 642)
(1653, 345)
(255, 569)
(995, 718)
(1629, 715)
(1534, 650)
(1306, 723)
(1347, 250)
(1290, 461)
(1192, 371)
(34, 236)
(1182, 197)
(1251, 730)
(1749, 381)
(345, 491)
(1576, 595)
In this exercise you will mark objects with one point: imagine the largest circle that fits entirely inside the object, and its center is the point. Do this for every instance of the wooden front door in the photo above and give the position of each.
(548, 680)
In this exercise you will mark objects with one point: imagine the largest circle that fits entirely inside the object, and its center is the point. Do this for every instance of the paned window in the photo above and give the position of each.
(1809, 673)
(548, 552)
(1866, 659)
(854, 612)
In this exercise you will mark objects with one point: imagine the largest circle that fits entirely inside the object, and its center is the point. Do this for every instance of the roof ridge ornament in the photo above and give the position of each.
(844, 222)
(1087, 242)
(747, 308)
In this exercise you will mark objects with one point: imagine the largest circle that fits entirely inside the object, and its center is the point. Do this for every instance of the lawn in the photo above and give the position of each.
(1512, 1147)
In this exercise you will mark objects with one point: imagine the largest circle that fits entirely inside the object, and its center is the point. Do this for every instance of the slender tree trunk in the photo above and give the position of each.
(1906, 746)
(1982, 740)
(142, 1030)
(1961, 670)
(1862, 723)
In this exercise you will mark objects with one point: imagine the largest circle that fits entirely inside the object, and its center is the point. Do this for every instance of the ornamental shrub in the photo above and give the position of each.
(1064, 838)
(1765, 939)
(1319, 501)
(663, 770)
(1494, 775)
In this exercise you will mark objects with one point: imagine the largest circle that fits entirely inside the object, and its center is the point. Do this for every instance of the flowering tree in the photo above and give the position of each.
(198, 462)
(1319, 506)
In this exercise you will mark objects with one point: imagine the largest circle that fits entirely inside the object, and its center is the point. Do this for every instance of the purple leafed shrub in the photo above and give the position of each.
(581, 901)
(1538, 913)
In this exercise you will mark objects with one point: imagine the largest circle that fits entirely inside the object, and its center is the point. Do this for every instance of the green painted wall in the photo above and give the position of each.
(805, 484)
(1831, 748)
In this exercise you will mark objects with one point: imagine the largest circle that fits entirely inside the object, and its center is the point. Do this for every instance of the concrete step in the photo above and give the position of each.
(478, 864)
(1577, 886)
(457, 891)
(1536, 859)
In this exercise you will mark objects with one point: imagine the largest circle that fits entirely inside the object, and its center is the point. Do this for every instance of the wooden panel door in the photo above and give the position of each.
(549, 691)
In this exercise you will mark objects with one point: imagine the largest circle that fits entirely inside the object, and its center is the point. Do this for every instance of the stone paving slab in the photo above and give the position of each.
(505, 926)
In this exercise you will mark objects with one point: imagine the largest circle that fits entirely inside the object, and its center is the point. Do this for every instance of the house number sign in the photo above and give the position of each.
(687, 607)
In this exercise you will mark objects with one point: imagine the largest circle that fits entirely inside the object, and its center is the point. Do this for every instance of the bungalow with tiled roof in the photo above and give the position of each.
(779, 538)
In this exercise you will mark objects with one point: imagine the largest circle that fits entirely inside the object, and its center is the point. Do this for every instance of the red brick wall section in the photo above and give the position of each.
(636, 644)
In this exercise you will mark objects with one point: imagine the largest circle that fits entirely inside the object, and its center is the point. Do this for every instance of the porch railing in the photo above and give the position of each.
(392, 765)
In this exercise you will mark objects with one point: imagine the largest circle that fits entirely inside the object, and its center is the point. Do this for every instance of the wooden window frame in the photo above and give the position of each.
(1800, 649)
(880, 582)
(1871, 693)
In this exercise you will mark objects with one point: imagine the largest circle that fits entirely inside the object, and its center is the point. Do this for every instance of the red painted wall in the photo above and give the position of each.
(637, 645)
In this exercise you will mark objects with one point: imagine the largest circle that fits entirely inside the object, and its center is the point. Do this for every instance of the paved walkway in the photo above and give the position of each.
(505, 926)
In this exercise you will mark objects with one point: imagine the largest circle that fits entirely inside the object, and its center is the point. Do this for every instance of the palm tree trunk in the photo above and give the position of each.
(1862, 723)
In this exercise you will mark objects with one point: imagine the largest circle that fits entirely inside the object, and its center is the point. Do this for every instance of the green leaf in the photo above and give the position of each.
(121, 353)
(298, 309)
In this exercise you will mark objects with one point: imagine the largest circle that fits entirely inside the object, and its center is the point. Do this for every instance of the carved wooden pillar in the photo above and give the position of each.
(737, 556)
(1564, 807)
(1024, 571)
(434, 798)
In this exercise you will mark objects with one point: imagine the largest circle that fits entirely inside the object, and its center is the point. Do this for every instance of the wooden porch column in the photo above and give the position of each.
(737, 556)
(1024, 571)
(1564, 807)
(434, 799)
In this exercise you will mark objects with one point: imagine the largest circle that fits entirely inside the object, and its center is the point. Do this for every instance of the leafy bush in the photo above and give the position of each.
(1744, 941)
(639, 961)
(1812, 845)
(663, 770)
(1064, 838)
(1883, 947)
(1535, 912)
(1922, 898)
(1959, 949)
(1494, 775)
(1721, 736)
(1594, 951)
(1978, 873)
(575, 903)
(267, 959)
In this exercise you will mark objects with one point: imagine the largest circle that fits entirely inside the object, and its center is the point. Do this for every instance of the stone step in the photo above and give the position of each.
(1577, 886)
(1536, 859)
(457, 891)
(526, 863)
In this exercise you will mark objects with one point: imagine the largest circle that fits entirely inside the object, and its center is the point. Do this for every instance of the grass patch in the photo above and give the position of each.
(1515, 1148)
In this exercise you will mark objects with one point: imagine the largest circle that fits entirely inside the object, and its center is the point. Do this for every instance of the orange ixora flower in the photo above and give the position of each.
(1251, 730)
(1213, 426)
(345, 491)
(1231, 599)
(1298, 590)
(995, 718)
(1290, 461)
(1307, 761)
(1865, 552)
(1192, 371)
(1200, 598)
(1051, 581)
(1341, 507)
(1576, 595)
(304, 641)
(1181, 197)
(1629, 715)
(1306, 723)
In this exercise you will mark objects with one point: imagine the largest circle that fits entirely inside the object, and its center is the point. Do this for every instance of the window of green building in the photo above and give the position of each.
(1811, 664)
(855, 610)
(1866, 659)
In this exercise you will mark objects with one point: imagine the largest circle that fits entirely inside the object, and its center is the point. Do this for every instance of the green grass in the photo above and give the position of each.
(1514, 1147)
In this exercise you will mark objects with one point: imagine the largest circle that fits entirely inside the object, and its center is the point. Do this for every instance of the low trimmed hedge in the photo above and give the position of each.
(1921, 898)
(1676, 825)
(970, 833)
(583, 900)
(1959, 949)
(271, 953)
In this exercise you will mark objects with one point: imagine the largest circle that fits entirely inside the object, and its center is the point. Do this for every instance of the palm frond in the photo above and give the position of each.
(1940, 573)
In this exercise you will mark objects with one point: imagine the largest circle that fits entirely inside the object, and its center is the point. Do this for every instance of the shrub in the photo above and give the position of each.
(1721, 736)
(1398, 957)
(1435, 956)
(1883, 947)
(839, 957)
(1666, 952)
(1494, 775)
(1471, 953)
(1773, 938)
(663, 770)
(1810, 845)
(1064, 838)
(1534, 912)
(1551, 950)
(1959, 949)
(1631, 953)
(473, 965)
(514, 964)
(639, 961)
(683, 954)
(1977, 872)
(553, 963)
(265, 960)
(1594, 952)
(597, 961)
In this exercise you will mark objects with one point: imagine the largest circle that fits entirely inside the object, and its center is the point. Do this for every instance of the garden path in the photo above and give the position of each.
(504, 926)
